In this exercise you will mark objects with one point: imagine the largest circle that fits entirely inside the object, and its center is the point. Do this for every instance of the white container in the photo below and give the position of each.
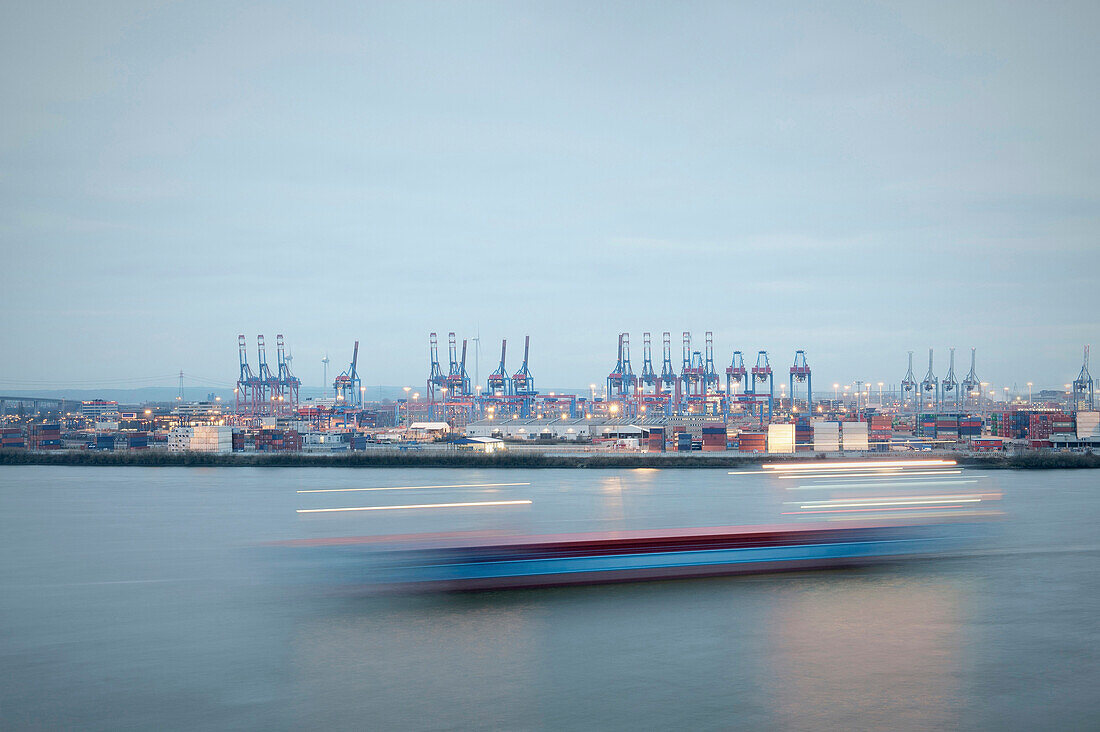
(826, 436)
(781, 439)
(853, 436)
(1088, 425)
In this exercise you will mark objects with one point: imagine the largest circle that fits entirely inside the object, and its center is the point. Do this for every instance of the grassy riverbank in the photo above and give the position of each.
(531, 460)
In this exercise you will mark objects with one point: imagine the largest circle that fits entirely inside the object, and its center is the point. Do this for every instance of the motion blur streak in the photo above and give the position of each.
(885, 474)
(915, 502)
(419, 505)
(409, 487)
(866, 465)
(881, 484)
(850, 515)
(906, 489)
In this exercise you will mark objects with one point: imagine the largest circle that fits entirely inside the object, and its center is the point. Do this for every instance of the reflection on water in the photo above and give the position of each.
(141, 598)
(884, 651)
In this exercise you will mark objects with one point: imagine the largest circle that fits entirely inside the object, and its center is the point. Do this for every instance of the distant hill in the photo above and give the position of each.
(195, 393)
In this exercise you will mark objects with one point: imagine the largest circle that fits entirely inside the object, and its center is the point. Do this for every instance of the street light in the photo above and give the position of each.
(1029, 385)
(407, 419)
(836, 392)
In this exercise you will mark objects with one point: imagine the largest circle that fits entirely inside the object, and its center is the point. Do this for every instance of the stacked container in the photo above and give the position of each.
(179, 439)
(1062, 424)
(970, 426)
(11, 437)
(803, 434)
(947, 428)
(751, 441)
(44, 436)
(104, 441)
(1088, 425)
(683, 442)
(714, 437)
(656, 441)
(780, 439)
(826, 436)
(853, 436)
(137, 440)
(880, 428)
(211, 438)
(985, 444)
(271, 440)
(1041, 426)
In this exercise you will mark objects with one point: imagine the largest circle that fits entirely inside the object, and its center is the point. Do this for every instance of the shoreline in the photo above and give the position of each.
(527, 460)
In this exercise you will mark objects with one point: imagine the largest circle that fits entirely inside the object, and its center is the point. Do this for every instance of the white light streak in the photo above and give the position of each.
(409, 487)
(880, 484)
(416, 505)
(865, 465)
(911, 501)
(889, 473)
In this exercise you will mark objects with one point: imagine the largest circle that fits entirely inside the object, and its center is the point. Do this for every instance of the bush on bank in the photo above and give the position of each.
(155, 458)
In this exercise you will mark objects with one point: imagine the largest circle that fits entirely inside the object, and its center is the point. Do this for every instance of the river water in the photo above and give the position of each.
(147, 598)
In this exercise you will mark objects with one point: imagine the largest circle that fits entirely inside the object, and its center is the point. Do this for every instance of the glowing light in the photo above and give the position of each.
(415, 505)
(409, 487)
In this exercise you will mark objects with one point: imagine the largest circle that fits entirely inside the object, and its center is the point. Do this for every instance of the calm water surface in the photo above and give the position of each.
(145, 598)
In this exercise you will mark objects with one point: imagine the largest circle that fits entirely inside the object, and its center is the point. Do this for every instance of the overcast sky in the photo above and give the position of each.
(856, 180)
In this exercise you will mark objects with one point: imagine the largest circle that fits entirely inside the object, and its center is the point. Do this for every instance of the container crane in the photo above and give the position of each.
(288, 382)
(1083, 390)
(436, 378)
(761, 373)
(523, 382)
(970, 384)
(711, 381)
(629, 381)
(668, 379)
(346, 386)
(736, 373)
(615, 378)
(800, 372)
(691, 368)
(499, 382)
(949, 387)
(246, 381)
(648, 376)
(458, 380)
(266, 384)
(930, 385)
(909, 384)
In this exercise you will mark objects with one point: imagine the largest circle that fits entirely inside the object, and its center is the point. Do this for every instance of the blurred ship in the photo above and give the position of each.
(456, 563)
(860, 514)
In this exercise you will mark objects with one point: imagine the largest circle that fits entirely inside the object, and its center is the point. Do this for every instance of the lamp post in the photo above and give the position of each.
(407, 390)
(1029, 385)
